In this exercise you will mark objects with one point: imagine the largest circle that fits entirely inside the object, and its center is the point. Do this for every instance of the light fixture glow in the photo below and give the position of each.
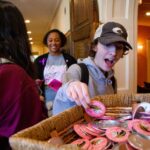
(147, 13)
(140, 46)
(30, 39)
(29, 32)
(27, 21)
(139, 2)
(31, 43)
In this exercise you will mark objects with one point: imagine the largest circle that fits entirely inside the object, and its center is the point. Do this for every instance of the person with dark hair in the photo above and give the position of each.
(51, 66)
(20, 105)
(108, 46)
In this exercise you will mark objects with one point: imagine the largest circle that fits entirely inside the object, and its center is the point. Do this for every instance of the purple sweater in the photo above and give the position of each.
(20, 106)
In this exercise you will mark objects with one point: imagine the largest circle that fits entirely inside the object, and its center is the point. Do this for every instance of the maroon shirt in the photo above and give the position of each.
(20, 106)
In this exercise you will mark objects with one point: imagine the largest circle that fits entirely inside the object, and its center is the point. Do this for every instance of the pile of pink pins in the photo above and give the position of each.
(107, 133)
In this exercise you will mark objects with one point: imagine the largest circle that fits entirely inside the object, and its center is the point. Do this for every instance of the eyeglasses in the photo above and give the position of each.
(118, 46)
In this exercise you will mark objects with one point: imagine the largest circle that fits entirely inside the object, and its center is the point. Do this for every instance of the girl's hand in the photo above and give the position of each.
(78, 92)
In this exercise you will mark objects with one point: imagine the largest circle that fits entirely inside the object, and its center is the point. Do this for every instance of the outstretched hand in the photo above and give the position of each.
(78, 92)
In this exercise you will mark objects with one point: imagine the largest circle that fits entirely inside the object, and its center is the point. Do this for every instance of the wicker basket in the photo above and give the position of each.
(37, 136)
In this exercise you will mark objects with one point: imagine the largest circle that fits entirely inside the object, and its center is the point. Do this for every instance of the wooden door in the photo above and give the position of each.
(84, 20)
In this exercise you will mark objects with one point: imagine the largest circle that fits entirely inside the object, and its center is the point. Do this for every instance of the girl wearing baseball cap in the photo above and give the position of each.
(108, 46)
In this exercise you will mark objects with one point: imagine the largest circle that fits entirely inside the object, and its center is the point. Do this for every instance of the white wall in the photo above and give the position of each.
(62, 17)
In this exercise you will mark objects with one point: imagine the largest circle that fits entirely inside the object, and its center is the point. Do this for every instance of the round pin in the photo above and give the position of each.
(140, 107)
(143, 128)
(117, 134)
(104, 124)
(79, 129)
(99, 143)
(131, 123)
(96, 109)
(91, 130)
(94, 125)
(82, 143)
(138, 142)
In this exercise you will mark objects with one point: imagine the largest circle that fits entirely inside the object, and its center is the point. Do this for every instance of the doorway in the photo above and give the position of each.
(143, 44)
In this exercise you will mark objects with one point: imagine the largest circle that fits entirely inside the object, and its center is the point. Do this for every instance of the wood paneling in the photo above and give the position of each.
(84, 20)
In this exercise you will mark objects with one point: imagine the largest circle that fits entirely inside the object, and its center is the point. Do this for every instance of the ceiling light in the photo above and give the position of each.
(27, 21)
(29, 32)
(147, 13)
(31, 43)
(30, 39)
(139, 1)
(140, 46)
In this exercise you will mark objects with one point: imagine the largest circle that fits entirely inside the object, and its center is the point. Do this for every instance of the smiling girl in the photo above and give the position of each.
(51, 66)
(109, 45)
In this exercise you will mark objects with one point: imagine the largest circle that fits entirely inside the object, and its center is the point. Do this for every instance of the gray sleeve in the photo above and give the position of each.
(73, 73)
(61, 101)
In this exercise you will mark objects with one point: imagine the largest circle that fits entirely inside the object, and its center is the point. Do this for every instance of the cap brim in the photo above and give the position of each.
(113, 39)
